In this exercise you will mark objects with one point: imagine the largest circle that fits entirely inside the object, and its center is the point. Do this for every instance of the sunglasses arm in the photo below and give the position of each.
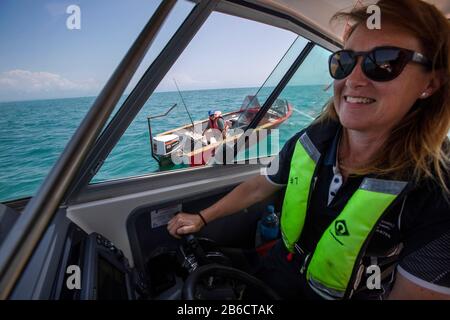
(420, 58)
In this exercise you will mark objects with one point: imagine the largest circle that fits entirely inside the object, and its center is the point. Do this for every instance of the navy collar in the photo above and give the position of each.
(331, 152)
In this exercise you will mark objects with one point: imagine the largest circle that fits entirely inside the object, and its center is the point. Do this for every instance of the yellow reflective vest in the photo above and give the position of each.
(336, 260)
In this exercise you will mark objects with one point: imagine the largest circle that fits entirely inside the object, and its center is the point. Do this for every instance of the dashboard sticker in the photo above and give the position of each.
(161, 217)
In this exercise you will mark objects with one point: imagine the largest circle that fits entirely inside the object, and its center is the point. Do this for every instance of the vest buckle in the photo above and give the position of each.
(305, 263)
(299, 249)
(305, 256)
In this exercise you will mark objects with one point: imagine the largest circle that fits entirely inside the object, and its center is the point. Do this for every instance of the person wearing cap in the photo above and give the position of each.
(217, 122)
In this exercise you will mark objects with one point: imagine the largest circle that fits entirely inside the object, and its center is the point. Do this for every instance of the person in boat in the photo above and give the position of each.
(216, 122)
(366, 209)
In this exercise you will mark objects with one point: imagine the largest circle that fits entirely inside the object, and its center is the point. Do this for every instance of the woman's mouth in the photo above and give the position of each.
(358, 100)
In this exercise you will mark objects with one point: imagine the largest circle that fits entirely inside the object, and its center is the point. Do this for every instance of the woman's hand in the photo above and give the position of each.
(184, 223)
(255, 189)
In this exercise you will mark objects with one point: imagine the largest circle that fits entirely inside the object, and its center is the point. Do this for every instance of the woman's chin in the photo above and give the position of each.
(354, 123)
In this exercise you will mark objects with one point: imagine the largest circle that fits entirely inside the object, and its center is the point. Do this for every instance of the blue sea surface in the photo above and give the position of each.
(34, 133)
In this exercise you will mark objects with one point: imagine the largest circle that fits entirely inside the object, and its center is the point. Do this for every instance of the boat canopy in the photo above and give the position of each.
(317, 13)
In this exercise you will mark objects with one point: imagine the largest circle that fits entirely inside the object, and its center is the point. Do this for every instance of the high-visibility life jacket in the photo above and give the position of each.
(336, 263)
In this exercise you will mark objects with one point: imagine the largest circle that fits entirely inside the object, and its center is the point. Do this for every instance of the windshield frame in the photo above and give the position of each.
(139, 95)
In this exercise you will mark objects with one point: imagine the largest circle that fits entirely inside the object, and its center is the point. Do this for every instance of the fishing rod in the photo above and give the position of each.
(327, 87)
(182, 100)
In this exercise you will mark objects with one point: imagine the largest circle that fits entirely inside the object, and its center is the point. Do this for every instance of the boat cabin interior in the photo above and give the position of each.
(77, 239)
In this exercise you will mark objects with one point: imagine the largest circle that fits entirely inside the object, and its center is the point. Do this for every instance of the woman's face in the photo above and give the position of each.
(389, 101)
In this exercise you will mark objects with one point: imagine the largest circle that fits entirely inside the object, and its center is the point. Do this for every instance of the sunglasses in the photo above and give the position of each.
(378, 64)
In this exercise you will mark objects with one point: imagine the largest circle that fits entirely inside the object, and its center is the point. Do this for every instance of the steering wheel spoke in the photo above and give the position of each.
(195, 278)
(211, 275)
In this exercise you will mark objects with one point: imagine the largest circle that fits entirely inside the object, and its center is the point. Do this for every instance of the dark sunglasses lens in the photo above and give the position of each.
(341, 64)
(384, 64)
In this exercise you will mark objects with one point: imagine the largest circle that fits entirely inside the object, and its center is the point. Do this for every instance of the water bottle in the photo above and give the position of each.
(270, 225)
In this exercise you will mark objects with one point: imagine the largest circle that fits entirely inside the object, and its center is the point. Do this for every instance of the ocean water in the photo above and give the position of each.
(34, 133)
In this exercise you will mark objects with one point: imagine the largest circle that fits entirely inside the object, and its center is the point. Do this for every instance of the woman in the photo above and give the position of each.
(367, 184)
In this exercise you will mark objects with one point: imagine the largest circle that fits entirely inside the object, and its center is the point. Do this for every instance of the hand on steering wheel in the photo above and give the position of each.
(184, 223)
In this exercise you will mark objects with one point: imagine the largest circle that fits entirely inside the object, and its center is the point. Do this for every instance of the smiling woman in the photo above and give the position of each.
(410, 106)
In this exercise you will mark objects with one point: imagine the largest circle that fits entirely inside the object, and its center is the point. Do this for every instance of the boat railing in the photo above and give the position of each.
(150, 129)
(279, 108)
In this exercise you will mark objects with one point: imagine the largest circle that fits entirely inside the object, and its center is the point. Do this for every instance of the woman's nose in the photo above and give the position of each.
(357, 78)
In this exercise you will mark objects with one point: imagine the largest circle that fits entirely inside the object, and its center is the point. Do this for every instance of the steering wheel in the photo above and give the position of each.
(208, 267)
(192, 281)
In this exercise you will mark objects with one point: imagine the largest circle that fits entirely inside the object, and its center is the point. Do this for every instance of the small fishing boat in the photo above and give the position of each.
(189, 145)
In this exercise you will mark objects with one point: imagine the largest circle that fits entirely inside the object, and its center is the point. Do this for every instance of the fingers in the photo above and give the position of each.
(173, 225)
(183, 223)
(186, 230)
(173, 231)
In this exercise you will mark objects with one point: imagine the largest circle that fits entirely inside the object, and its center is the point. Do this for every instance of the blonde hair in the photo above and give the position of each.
(418, 146)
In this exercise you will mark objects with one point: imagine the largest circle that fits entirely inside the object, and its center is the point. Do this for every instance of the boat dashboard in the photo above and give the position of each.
(124, 252)
(95, 269)
(196, 268)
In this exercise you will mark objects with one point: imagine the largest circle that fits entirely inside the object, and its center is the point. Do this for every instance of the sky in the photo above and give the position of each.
(41, 58)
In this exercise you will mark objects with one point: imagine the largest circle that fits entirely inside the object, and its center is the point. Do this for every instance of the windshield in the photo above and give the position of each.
(55, 59)
(299, 102)
(226, 62)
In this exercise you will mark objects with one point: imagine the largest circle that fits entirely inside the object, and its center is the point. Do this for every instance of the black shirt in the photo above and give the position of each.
(412, 238)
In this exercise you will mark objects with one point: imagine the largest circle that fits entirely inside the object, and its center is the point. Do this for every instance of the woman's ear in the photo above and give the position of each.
(438, 78)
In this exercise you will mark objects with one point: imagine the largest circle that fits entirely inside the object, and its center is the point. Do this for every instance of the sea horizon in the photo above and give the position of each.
(160, 91)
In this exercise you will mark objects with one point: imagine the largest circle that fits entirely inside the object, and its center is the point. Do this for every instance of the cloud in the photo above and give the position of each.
(24, 82)
(185, 82)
